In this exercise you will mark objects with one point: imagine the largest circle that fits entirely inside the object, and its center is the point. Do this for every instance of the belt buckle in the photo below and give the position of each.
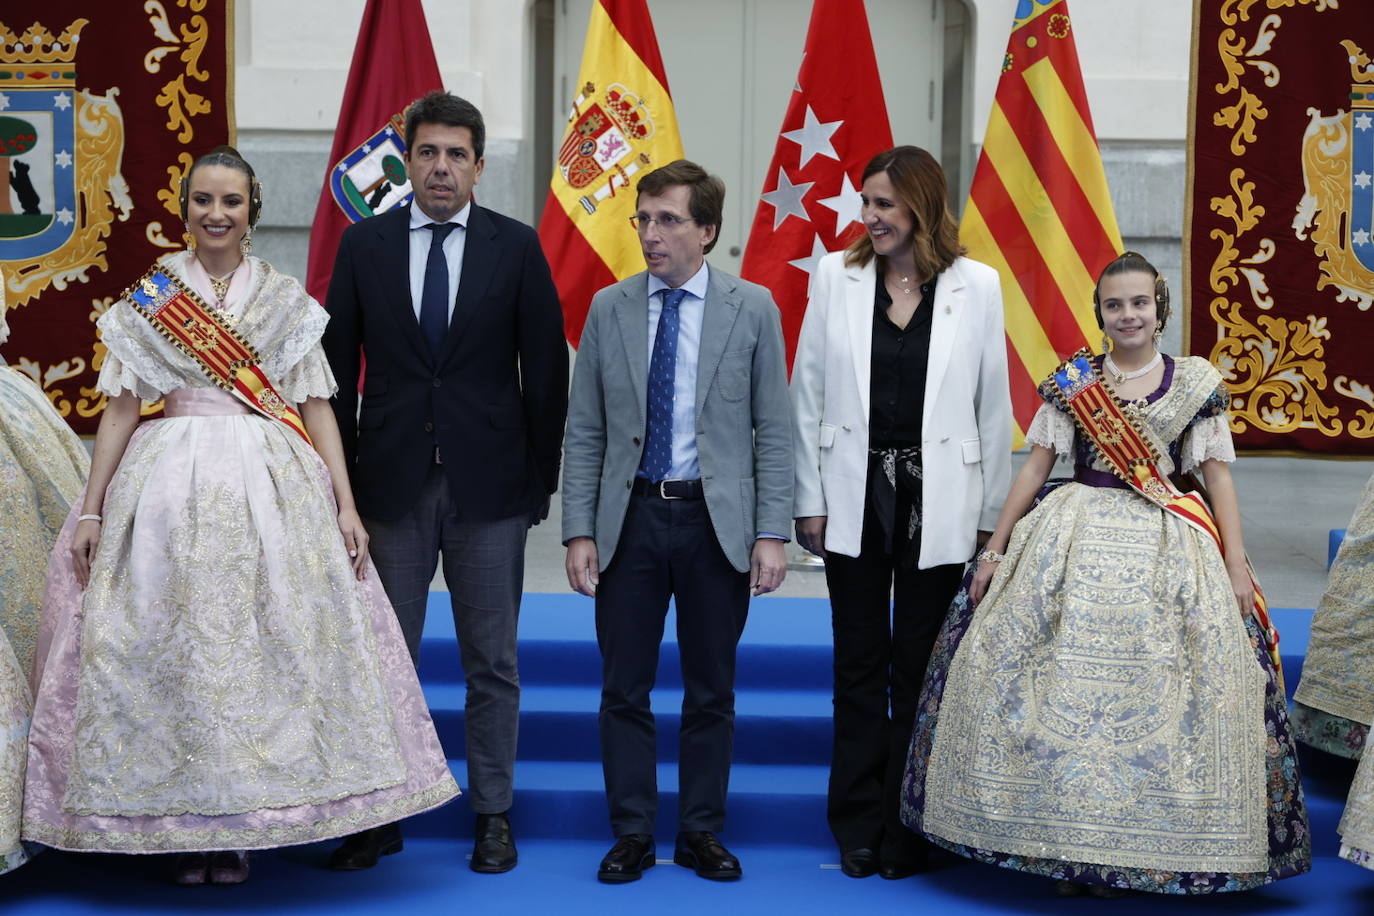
(663, 490)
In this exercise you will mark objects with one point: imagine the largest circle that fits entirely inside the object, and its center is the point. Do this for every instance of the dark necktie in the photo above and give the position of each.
(434, 295)
(657, 460)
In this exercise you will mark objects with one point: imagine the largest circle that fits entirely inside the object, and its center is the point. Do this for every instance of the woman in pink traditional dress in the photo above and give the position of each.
(219, 669)
(43, 467)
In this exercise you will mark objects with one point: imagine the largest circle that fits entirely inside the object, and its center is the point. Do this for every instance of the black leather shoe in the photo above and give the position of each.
(700, 851)
(494, 851)
(896, 869)
(631, 854)
(859, 863)
(362, 850)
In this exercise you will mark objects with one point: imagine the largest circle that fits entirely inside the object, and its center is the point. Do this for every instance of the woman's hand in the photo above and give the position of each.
(355, 539)
(982, 577)
(1243, 587)
(85, 540)
(811, 534)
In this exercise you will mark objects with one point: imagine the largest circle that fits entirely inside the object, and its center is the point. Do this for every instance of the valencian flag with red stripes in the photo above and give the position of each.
(836, 122)
(621, 124)
(393, 64)
(1038, 209)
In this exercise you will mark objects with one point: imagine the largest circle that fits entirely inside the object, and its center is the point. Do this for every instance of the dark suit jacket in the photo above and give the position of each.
(496, 398)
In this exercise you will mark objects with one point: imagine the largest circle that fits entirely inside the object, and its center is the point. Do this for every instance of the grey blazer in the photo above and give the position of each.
(744, 420)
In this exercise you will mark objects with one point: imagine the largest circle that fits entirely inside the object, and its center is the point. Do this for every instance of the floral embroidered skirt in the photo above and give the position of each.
(43, 467)
(1107, 718)
(224, 682)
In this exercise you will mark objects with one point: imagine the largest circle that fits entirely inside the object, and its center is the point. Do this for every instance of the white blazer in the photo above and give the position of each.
(966, 422)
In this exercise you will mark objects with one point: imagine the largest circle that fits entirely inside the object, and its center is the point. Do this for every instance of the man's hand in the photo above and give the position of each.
(767, 565)
(811, 534)
(582, 566)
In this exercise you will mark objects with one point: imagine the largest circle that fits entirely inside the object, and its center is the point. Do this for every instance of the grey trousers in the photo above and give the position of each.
(484, 566)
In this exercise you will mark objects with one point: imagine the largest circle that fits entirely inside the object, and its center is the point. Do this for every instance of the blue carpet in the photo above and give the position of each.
(777, 808)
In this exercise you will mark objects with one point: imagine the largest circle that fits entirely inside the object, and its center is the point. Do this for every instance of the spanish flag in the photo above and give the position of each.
(621, 125)
(1038, 209)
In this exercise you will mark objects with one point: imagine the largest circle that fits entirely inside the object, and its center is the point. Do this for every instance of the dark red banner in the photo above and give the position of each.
(102, 109)
(1279, 246)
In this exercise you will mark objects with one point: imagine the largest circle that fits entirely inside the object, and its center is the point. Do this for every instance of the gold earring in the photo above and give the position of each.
(187, 238)
(1159, 334)
(1106, 344)
(246, 243)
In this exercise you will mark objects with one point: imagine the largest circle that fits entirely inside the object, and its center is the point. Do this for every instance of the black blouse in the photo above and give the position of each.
(897, 387)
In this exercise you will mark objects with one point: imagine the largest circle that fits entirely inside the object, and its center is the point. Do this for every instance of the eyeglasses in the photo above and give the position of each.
(666, 223)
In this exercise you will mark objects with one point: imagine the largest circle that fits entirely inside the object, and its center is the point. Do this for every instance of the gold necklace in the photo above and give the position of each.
(904, 288)
(220, 285)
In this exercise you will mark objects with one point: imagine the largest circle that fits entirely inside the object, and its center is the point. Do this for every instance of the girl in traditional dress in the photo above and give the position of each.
(223, 671)
(43, 467)
(1109, 716)
(1334, 702)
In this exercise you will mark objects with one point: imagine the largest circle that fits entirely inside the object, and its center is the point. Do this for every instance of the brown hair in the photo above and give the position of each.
(228, 157)
(706, 192)
(920, 184)
(1131, 262)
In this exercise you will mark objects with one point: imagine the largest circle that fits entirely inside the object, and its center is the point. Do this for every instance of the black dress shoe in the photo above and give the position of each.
(896, 869)
(494, 850)
(700, 851)
(631, 854)
(859, 863)
(362, 850)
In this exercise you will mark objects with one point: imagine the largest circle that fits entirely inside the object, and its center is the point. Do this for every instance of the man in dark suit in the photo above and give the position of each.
(678, 480)
(455, 450)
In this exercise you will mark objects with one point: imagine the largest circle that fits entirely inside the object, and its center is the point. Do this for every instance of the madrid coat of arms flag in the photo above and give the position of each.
(1279, 239)
(836, 121)
(103, 108)
(621, 124)
(393, 65)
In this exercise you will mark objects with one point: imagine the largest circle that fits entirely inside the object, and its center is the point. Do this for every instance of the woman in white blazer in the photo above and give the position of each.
(903, 442)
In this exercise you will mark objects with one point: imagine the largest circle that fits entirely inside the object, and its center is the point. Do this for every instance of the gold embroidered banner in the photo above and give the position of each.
(102, 109)
(1279, 246)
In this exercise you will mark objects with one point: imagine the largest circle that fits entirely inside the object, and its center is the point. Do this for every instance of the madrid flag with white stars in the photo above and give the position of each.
(836, 122)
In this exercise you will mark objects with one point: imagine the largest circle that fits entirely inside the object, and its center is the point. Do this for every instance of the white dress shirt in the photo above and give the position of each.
(419, 253)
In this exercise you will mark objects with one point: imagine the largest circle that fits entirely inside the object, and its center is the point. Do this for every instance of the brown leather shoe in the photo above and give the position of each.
(362, 850)
(700, 851)
(631, 854)
(228, 867)
(494, 850)
(191, 869)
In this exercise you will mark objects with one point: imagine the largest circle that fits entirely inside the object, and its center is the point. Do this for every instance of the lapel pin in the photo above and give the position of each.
(948, 310)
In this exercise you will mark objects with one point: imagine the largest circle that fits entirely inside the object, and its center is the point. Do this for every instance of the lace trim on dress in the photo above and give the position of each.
(1208, 439)
(116, 378)
(1052, 429)
(311, 377)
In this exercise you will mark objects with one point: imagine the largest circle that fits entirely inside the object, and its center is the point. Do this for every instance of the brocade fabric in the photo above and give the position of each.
(43, 467)
(224, 682)
(1334, 702)
(1105, 715)
(1357, 822)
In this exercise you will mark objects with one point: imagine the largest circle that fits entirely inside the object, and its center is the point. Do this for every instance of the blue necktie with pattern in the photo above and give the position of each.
(657, 460)
(434, 295)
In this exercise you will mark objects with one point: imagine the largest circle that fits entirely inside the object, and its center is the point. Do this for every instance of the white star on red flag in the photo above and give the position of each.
(835, 123)
(814, 137)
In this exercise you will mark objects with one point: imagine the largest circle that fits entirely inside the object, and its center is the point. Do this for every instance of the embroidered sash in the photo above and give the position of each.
(202, 333)
(1117, 439)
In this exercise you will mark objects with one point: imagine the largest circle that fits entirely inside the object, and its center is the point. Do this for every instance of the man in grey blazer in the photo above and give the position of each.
(677, 482)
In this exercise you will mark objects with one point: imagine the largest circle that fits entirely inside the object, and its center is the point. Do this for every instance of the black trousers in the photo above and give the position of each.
(885, 622)
(668, 549)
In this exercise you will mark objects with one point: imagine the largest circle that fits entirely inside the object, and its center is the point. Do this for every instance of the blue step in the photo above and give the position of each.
(560, 723)
(1333, 545)
(567, 800)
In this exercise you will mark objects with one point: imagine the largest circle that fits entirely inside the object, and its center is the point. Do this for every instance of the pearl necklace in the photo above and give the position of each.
(1120, 376)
